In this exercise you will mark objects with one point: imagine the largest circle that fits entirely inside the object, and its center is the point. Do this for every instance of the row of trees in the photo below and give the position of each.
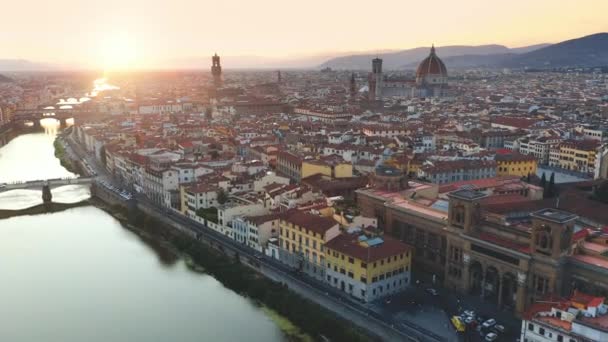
(549, 188)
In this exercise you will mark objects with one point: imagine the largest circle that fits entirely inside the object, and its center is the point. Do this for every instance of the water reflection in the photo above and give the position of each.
(30, 157)
(22, 199)
(101, 85)
(77, 275)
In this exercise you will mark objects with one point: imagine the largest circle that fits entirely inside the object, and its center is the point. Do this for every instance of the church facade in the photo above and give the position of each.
(431, 81)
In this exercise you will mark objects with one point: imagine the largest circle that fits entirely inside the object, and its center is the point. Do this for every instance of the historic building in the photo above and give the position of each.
(578, 318)
(216, 70)
(366, 266)
(431, 80)
(513, 257)
(302, 241)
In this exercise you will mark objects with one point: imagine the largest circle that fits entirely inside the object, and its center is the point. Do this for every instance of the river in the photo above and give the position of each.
(78, 275)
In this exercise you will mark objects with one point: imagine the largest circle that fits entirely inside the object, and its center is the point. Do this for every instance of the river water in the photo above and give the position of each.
(78, 275)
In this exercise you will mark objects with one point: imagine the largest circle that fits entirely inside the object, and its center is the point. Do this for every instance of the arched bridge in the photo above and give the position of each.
(45, 185)
(22, 115)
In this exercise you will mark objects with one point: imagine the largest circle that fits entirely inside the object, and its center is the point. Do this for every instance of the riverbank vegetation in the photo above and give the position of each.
(209, 214)
(311, 320)
(64, 159)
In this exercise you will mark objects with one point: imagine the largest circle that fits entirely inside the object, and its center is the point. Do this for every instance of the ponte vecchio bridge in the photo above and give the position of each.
(61, 114)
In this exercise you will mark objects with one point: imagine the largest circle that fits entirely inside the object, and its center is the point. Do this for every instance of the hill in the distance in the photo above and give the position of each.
(4, 79)
(410, 58)
(22, 65)
(588, 51)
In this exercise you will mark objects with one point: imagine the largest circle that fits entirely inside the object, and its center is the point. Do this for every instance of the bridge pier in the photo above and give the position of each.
(63, 122)
(47, 196)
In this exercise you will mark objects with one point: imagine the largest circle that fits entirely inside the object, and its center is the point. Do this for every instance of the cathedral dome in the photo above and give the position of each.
(432, 66)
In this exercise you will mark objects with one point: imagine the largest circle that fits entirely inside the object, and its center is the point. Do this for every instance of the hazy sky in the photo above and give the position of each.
(143, 32)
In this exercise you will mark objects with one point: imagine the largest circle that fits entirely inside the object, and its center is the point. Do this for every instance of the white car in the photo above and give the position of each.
(491, 337)
(499, 328)
(489, 323)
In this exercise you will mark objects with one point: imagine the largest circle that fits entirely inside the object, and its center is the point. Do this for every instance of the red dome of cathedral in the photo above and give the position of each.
(431, 66)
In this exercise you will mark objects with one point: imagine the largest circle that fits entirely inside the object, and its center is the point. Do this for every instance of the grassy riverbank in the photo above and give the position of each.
(42, 209)
(299, 318)
(64, 159)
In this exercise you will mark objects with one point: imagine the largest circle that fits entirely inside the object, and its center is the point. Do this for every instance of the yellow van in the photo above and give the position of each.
(458, 324)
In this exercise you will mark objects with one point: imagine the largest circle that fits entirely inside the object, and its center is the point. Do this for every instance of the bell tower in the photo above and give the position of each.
(353, 86)
(552, 231)
(464, 211)
(375, 80)
(216, 70)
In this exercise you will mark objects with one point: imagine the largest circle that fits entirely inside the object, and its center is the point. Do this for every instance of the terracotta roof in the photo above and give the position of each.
(262, 218)
(591, 260)
(482, 183)
(202, 188)
(503, 242)
(317, 224)
(518, 122)
(349, 244)
(514, 157)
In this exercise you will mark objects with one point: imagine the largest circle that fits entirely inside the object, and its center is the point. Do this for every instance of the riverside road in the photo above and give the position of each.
(383, 326)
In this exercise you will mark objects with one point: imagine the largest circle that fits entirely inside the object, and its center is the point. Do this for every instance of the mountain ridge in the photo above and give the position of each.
(407, 58)
(586, 51)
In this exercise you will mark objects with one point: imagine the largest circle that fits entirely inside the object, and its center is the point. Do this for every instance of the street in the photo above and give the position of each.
(413, 315)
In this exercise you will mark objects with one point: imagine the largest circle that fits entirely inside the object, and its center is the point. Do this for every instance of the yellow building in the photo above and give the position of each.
(331, 166)
(578, 155)
(302, 240)
(367, 267)
(515, 164)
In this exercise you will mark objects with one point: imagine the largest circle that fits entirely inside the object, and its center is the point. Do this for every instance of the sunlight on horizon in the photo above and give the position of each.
(117, 51)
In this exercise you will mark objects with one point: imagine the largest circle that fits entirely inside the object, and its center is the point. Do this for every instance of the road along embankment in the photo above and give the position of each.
(234, 271)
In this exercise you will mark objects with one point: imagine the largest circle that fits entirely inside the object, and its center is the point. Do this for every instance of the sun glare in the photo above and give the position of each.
(118, 52)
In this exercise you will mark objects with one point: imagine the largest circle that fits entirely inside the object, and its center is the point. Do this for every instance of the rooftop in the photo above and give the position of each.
(317, 224)
(468, 195)
(554, 215)
(357, 246)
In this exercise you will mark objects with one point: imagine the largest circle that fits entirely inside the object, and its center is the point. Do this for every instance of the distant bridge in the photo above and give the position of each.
(46, 185)
(22, 115)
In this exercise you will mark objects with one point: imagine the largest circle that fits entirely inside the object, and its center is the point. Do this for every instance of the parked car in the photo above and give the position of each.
(499, 328)
(432, 291)
(491, 337)
(469, 313)
(489, 323)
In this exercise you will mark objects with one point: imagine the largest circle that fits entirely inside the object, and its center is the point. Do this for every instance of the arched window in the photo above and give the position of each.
(543, 241)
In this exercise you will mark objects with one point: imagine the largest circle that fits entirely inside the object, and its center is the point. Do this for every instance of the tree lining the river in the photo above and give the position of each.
(310, 317)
